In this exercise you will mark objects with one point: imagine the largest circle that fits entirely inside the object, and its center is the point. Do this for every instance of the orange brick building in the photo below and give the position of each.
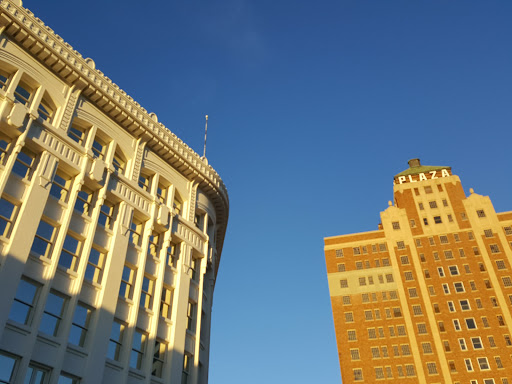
(427, 297)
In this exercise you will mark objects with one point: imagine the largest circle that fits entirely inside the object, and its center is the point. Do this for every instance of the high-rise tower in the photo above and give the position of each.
(427, 297)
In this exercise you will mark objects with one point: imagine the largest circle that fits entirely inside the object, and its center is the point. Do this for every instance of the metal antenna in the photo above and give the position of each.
(205, 133)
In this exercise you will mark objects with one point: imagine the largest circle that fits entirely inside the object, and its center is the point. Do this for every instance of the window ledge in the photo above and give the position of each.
(137, 373)
(48, 339)
(167, 321)
(126, 300)
(18, 327)
(148, 311)
(68, 272)
(93, 284)
(114, 364)
(77, 350)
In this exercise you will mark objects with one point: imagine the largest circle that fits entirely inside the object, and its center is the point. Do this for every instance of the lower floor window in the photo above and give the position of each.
(7, 367)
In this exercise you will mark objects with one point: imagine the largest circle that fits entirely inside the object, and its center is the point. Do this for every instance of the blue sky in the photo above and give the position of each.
(313, 107)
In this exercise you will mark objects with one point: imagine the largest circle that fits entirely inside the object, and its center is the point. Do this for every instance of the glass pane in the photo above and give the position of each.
(45, 230)
(54, 304)
(6, 368)
(49, 324)
(19, 312)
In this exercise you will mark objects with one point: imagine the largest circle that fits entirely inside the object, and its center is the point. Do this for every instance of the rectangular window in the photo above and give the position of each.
(43, 241)
(488, 233)
(494, 248)
(440, 271)
(454, 270)
(483, 363)
(427, 348)
(400, 245)
(83, 201)
(8, 365)
(401, 330)
(127, 281)
(462, 344)
(60, 186)
(23, 93)
(158, 358)
(448, 255)
(80, 325)
(499, 364)
(339, 253)
(154, 245)
(451, 306)
(480, 213)
(507, 281)
(341, 267)
(357, 250)
(469, 365)
(432, 204)
(470, 323)
(358, 374)
(395, 225)
(138, 349)
(500, 264)
(70, 254)
(135, 232)
(343, 283)
(456, 324)
(354, 354)
(53, 312)
(106, 218)
(417, 310)
(116, 340)
(437, 219)
(485, 322)
(8, 211)
(425, 221)
(508, 230)
(95, 265)
(372, 334)
(456, 237)
(22, 308)
(477, 343)
(191, 316)
(492, 343)
(146, 295)
(346, 300)
(77, 134)
(382, 247)
(144, 182)
(379, 373)
(352, 336)
(422, 328)
(464, 305)
(37, 374)
(375, 352)
(359, 265)
(408, 276)
(166, 302)
(446, 289)
(413, 292)
(362, 281)
(459, 287)
(432, 368)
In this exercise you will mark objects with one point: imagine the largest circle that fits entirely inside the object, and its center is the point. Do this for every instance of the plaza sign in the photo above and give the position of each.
(422, 176)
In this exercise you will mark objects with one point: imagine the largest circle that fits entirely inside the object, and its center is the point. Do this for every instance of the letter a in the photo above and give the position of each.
(445, 173)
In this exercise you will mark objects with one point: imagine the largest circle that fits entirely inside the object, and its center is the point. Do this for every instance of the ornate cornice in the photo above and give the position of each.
(52, 51)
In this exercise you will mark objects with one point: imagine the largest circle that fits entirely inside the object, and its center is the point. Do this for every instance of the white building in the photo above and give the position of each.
(111, 228)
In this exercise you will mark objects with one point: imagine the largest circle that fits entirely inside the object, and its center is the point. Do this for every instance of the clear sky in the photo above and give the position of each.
(313, 107)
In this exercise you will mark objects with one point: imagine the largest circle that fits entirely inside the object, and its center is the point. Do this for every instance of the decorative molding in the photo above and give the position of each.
(52, 143)
(130, 195)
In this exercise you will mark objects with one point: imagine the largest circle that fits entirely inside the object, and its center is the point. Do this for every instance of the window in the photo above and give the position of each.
(427, 274)
(459, 286)
(80, 325)
(68, 379)
(445, 203)
(464, 305)
(146, 295)
(446, 289)
(106, 218)
(488, 233)
(7, 362)
(462, 344)
(431, 241)
(77, 134)
(451, 306)
(408, 276)
(358, 374)
(400, 245)
(341, 267)
(4, 80)
(417, 310)
(436, 308)
(501, 322)
(469, 365)
(23, 305)
(400, 371)
(5, 144)
(8, 212)
(428, 189)
(406, 350)
(432, 368)
(46, 108)
(477, 343)
(422, 328)
(441, 326)
(385, 262)
(346, 300)
(485, 322)
(395, 224)
(25, 164)
(456, 237)
(343, 283)
(36, 374)
(372, 334)
(508, 230)
(357, 250)
(494, 248)
(118, 162)
(144, 182)
(379, 373)
(95, 265)
(368, 315)
(483, 363)
(487, 284)
(494, 302)
(418, 243)
(53, 312)
(23, 93)
(437, 219)
(500, 264)
(362, 281)
(427, 348)
(375, 352)
(401, 330)
(492, 343)
(116, 340)
(382, 247)
(352, 336)
(158, 358)
(448, 255)
(135, 232)
(425, 221)
(359, 265)
(138, 349)
(413, 223)
(154, 244)
(173, 252)
(186, 368)
(191, 316)
(470, 323)
(349, 317)
(508, 341)
(127, 281)
(499, 364)
(440, 271)
(391, 331)
(70, 255)
(454, 271)
(507, 282)
(432, 204)
(354, 354)
(83, 201)
(339, 253)
(413, 292)
(480, 213)
(451, 364)
(436, 256)
(456, 324)
(466, 268)
(161, 194)
(389, 278)
(166, 302)
(473, 285)
(60, 186)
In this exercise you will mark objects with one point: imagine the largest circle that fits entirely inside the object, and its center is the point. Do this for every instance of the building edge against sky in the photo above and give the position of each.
(111, 228)
(427, 297)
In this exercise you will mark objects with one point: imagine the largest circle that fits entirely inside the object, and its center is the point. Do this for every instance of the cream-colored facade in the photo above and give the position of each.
(111, 228)
(427, 297)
